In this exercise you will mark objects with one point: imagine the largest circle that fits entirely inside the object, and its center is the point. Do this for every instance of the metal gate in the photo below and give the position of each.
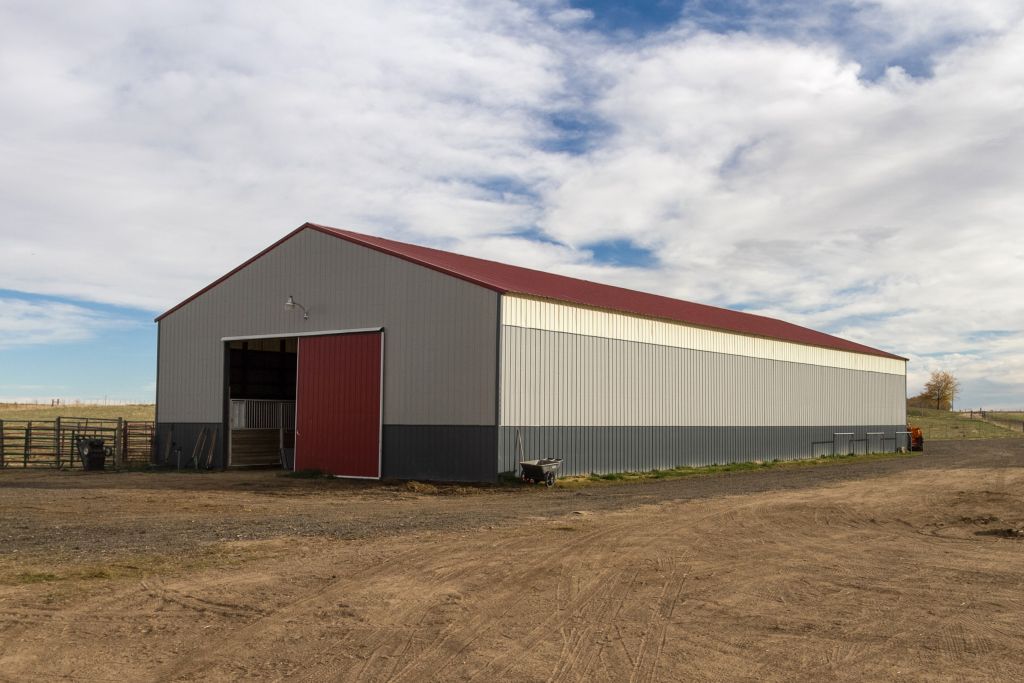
(51, 443)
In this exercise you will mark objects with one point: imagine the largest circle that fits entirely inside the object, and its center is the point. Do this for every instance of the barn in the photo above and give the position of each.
(365, 357)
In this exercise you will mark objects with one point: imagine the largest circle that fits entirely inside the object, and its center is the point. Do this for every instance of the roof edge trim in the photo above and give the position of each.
(334, 232)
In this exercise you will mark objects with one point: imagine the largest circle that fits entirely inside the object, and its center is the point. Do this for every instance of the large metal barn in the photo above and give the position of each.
(365, 357)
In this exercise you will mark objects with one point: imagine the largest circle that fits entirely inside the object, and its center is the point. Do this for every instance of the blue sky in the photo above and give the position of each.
(631, 19)
(849, 165)
(87, 351)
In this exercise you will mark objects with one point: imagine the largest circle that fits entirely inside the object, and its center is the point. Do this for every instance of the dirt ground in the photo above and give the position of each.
(902, 569)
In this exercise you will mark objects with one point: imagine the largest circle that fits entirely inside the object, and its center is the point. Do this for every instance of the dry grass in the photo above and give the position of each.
(1009, 420)
(33, 411)
(943, 424)
(16, 571)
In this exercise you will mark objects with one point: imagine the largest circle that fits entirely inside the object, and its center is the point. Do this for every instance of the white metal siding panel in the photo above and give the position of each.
(559, 379)
(440, 344)
(543, 314)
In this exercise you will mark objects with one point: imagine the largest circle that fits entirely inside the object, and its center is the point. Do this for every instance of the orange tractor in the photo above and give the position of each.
(916, 438)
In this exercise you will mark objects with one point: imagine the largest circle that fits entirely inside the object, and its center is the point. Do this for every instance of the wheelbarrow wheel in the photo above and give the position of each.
(549, 479)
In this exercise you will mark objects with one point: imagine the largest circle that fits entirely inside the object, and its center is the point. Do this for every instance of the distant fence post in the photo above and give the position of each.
(71, 451)
(27, 443)
(3, 438)
(56, 440)
(119, 442)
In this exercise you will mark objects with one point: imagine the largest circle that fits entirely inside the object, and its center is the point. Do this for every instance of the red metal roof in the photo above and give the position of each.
(508, 279)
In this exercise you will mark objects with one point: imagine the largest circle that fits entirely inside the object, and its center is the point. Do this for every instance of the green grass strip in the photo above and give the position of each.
(683, 472)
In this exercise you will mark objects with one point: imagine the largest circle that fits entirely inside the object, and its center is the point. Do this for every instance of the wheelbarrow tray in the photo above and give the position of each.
(537, 470)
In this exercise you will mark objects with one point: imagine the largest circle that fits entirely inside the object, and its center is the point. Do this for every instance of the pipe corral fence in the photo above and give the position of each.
(52, 443)
(847, 443)
(1009, 419)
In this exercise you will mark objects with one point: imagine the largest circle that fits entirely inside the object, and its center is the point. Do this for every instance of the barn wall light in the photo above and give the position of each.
(292, 303)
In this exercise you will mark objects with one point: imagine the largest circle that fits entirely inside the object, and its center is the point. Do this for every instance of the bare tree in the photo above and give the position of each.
(940, 389)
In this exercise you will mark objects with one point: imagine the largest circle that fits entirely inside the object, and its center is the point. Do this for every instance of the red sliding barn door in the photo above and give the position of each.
(338, 404)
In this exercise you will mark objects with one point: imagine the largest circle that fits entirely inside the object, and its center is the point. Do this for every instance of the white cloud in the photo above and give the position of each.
(571, 16)
(907, 22)
(149, 148)
(186, 137)
(28, 323)
(765, 171)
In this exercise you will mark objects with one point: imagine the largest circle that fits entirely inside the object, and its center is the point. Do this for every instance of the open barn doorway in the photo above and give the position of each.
(261, 396)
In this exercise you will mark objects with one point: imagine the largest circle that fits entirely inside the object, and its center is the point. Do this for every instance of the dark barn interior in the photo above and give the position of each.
(261, 390)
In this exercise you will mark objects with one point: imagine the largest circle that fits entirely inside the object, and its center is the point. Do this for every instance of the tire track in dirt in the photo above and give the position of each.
(160, 591)
(411, 561)
(608, 597)
(239, 638)
(433, 658)
(580, 603)
(632, 587)
(28, 616)
(748, 524)
(834, 582)
(409, 622)
(579, 646)
(645, 665)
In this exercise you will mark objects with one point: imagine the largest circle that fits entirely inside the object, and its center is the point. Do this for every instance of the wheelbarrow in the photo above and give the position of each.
(543, 470)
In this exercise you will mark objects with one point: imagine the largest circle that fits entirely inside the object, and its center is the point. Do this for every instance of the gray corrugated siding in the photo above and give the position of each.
(560, 379)
(184, 435)
(607, 405)
(586, 450)
(440, 452)
(440, 343)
